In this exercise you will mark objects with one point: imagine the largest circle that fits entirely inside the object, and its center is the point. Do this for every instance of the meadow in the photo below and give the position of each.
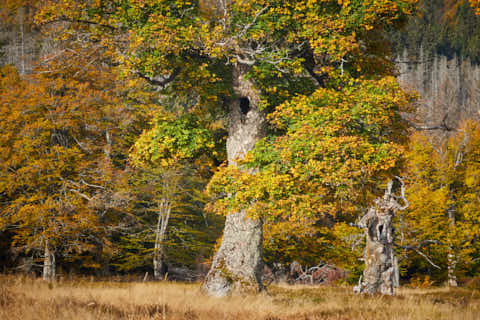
(26, 298)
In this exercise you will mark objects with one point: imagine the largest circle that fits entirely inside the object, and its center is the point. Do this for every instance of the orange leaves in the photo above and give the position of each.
(476, 5)
(57, 159)
(353, 31)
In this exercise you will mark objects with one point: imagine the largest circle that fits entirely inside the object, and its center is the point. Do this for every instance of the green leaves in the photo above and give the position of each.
(333, 150)
(173, 139)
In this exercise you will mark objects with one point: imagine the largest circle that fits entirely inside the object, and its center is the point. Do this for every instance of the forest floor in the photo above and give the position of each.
(25, 298)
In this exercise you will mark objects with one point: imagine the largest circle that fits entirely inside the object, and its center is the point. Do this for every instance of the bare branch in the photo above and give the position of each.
(418, 246)
(402, 194)
(80, 145)
(88, 22)
(92, 185)
(442, 126)
(247, 62)
(248, 26)
(427, 258)
(163, 81)
(83, 195)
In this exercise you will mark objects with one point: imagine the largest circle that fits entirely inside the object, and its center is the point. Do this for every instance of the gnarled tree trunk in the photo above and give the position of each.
(238, 263)
(379, 274)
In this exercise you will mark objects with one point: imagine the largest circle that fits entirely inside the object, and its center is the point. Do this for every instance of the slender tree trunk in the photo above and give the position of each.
(379, 274)
(159, 265)
(49, 265)
(238, 263)
(452, 257)
(452, 264)
(396, 273)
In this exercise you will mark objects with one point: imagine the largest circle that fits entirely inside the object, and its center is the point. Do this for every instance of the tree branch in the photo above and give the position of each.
(160, 82)
(402, 194)
(309, 65)
(427, 258)
(247, 62)
(248, 26)
(442, 126)
(65, 19)
(84, 196)
(418, 246)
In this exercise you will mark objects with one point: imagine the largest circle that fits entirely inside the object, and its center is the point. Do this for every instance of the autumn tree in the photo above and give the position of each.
(63, 158)
(171, 233)
(38, 158)
(239, 60)
(439, 229)
(172, 162)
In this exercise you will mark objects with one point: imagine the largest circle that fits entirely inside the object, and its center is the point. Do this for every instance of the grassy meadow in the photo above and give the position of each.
(25, 298)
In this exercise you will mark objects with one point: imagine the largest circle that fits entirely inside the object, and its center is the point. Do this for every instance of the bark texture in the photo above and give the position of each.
(49, 265)
(238, 263)
(380, 262)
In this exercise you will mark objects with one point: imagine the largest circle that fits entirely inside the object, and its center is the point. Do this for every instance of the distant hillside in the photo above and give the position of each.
(449, 88)
(21, 43)
(441, 27)
(438, 54)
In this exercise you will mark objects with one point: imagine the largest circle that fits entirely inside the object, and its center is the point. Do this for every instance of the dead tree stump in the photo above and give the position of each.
(380, 262)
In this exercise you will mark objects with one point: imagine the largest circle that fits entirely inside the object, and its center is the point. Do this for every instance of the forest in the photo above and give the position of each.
(236, 145)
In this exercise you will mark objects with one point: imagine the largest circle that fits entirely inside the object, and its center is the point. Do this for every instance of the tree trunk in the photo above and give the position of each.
(452, 265)
(102, 260)
(379, 273)
(238, 263)
(159, 265)
(49, 267)
(452, 257)
(396, 273)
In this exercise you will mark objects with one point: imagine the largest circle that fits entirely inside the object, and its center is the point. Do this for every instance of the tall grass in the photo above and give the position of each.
(25, 298)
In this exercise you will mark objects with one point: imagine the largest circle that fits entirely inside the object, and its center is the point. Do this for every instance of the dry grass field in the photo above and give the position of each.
(24, 298)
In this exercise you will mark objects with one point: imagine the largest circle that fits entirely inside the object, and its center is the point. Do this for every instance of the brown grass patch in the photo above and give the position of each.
(25, 298)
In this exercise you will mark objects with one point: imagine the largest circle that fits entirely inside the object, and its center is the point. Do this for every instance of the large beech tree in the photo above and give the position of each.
(335, 150)
(238, 61)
